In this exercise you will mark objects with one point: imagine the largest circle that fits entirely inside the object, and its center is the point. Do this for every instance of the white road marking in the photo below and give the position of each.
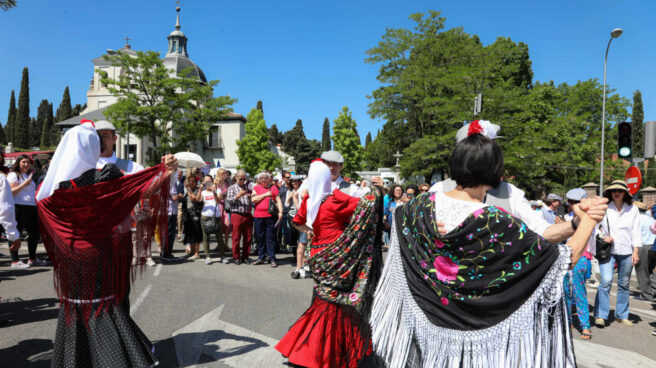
(158, 269)
(230, 344)
(140, 300)
(591, 355)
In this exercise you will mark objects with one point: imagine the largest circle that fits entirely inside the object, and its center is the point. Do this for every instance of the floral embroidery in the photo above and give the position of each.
(444, 301)
(517, 265)
(445, 269)
(438, 243)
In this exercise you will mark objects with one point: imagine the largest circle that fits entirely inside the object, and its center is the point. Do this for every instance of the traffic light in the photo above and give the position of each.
(625, 140)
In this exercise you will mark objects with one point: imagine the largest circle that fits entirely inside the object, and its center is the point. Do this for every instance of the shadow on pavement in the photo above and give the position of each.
(17, 311)
(33, 353)
(11, 274)
(209, 342)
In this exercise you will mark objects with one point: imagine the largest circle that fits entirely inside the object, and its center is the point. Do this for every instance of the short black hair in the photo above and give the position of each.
(413, 187)
(477, 160)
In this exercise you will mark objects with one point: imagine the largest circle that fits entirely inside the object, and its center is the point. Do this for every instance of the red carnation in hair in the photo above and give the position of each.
(83, 121)
(474, 128)
(317, 160)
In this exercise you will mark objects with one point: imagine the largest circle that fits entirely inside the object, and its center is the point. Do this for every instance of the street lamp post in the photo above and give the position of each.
(613, 34)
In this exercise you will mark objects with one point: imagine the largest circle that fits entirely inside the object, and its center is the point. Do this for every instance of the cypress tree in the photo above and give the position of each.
(259, 106)
(367, 140)
(11, 117)
(637, 120)
(47, 128)
(22, 125)
(325, 136)
(64, 111)
(275, 136)
(77, 109)
(41, 123)
(2, 135)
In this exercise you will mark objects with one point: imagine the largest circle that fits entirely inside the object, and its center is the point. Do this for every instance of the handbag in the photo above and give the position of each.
(603, 247)
(273, 209)
(227, 206)
(210, 225)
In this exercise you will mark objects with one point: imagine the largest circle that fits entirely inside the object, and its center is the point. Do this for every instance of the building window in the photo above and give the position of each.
(131, 151)
(215, 140)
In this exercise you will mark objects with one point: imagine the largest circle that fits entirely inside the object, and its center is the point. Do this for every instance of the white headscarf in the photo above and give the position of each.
(77, 152)
(318, 185)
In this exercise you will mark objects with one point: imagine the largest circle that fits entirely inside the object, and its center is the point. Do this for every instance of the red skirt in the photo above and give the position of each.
(327, 335)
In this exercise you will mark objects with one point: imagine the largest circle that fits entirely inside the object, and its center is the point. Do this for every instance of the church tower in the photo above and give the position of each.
(177, 57)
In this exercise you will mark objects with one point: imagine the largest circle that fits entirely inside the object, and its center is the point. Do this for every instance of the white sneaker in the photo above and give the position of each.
(19, 264)
(208, 261)
(150, 262)
(301, 273)
(306, 268)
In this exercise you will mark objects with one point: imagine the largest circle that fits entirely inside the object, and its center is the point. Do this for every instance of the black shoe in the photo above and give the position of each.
(237, 262)
(274, 264)
(247, 261)
(296, 275)
(258, 262)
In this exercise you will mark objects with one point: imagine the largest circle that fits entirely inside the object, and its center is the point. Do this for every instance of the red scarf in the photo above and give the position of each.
(86, 232)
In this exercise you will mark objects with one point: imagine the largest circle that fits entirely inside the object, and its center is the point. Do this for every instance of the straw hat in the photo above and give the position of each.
(617, 184)
(641, 206)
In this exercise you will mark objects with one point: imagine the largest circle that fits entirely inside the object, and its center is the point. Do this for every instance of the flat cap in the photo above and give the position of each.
(296, 177)
(104, 125)
(576, 194)
(554, 197)
(533, 203)
(332, 156)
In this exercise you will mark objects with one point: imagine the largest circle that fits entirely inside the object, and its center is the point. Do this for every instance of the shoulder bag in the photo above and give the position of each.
(273, 209)
(603, 247)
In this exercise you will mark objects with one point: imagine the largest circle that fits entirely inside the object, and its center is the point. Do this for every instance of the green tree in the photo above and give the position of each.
(49, 131)
(275, 136)
(64, 111)
(11, 117)
(637, 120)
(260, 107)
(172, 112)
(347, 142)
(367, 140)
(298, 146)
(40, 123)
(3, 138)
(22, 123)
(77, 109)
(325, 136)
(7, 4)
(253, 151)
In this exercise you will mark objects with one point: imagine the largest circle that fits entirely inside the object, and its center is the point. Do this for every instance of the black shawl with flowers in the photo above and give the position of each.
(487, 294)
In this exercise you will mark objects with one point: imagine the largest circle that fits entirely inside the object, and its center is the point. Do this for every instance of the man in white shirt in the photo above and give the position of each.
(108, 137)
(511, 199)
(645, 265)
(335, 162)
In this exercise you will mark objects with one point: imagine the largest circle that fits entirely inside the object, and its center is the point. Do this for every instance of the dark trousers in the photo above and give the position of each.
(218, 233)
(172, 230)
(27, 218)
(289, 232)
(242, 228)
(265, 235)
(644, 272)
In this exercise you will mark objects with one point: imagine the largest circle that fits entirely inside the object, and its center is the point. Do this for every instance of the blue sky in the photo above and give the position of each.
(305, 59)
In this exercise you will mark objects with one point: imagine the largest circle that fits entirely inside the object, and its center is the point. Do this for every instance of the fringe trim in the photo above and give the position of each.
(537, 334)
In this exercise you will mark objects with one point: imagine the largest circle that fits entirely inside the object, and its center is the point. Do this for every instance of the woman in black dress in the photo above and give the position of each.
(85, 222)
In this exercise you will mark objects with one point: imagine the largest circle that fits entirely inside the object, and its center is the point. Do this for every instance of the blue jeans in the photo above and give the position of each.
(602, 300)
(265, 235)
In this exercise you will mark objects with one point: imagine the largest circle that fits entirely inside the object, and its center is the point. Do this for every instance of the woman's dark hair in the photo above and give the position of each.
(391, 191)
(16, 166)
(627, 197)
(413, 187)
(476, 160)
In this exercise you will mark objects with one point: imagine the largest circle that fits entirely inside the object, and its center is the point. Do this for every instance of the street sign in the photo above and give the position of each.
(633, 179)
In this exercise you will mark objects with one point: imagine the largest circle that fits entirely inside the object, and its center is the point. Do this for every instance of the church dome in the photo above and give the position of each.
(177, 58)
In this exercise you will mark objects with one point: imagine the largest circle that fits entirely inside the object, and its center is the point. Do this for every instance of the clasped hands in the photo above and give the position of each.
(594, 208)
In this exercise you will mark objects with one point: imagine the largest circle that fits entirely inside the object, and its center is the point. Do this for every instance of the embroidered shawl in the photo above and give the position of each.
(487, 294)
(347, 270)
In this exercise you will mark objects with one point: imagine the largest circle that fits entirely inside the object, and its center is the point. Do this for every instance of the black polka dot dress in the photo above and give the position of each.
(112, 339)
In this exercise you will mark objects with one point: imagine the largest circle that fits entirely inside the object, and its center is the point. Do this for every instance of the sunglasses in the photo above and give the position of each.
(617, 191)
(424, 190)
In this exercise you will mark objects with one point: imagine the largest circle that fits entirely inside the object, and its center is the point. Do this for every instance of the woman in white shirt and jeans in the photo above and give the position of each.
(24, 191)
(211, 213)
(621, 227)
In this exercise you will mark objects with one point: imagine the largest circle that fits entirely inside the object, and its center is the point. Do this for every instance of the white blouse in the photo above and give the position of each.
(624, 228)
(452, 212)
(27, 195)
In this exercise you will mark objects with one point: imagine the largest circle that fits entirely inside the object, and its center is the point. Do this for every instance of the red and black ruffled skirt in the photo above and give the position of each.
(327, 335)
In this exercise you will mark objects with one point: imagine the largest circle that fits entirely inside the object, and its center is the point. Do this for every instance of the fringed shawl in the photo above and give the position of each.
(487, 294)
(86, 232)
(347, 270)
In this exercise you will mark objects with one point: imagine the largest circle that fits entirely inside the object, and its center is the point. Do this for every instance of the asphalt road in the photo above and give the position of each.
(232, 316)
